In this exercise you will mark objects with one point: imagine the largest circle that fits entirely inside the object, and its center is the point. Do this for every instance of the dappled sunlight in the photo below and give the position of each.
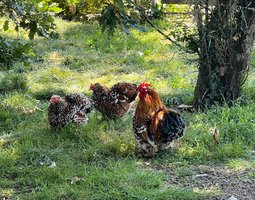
(98, 58)
(54, 77)
(55, 57)
(7, 193)
(240, 164)
(193, 153)
(158, 57)
(162, 86)
(11, 32)
(20, 102)
(212, 191)
(63, 25)
(77, 88)
(105, 138)
(106, 80)
(148, 37)
(59, 73)
(52, 74)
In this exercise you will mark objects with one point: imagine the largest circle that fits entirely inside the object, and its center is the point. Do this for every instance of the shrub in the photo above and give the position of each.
(13, 82)
(12, 51)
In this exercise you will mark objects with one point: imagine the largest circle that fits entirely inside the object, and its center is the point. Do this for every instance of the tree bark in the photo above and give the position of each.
(226, 36)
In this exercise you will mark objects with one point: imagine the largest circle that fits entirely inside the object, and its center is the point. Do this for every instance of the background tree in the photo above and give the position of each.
(226, 36)
(224, 41)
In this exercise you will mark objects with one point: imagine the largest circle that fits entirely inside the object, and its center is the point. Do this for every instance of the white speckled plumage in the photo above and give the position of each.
(73, 108)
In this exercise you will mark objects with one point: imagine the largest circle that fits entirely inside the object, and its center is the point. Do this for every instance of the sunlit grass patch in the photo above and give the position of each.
(235, 130)
(59, 78)
(6, 193)
(19, 101)
(58, 74)
(11, 32)
(55, 57)
(212, 191)
(240, 164)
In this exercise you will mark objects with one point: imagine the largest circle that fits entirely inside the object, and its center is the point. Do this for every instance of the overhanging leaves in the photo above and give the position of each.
(30, 15)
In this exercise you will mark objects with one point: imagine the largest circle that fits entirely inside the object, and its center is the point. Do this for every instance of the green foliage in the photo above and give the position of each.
(108, 20)
(132, 15)
(77, 9)
(29, 15)
(185, 35)
(157, 11)
(13, 51)
(32, 16)
(116, 15)
(13, 82)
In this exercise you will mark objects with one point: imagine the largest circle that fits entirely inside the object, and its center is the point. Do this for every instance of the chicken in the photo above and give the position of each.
(216, 135)
(73, 108)
(114, 102)
(154, 126)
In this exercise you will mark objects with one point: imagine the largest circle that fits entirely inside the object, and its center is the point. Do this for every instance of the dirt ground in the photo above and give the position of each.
(225, 182)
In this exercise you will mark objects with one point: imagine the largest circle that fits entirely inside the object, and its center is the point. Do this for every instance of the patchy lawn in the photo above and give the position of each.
(98, 160)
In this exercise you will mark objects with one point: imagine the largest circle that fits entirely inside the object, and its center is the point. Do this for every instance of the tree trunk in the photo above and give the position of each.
(226, 34)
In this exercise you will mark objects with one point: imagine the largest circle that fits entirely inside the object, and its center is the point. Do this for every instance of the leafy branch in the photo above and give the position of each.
(29, 15)
(130, 15)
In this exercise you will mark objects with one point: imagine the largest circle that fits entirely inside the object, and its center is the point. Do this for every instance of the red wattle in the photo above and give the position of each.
(140, 95)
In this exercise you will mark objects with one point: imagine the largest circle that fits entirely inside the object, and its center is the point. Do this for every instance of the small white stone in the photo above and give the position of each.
(201, 175)
(53, 164)
(232, 198)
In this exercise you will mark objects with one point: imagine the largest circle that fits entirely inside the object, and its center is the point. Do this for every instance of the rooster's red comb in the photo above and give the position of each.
(143, 85)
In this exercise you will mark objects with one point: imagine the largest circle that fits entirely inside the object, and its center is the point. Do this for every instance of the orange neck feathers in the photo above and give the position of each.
(149, 103)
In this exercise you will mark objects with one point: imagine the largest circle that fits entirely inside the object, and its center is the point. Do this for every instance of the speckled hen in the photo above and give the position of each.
(113, 102)
(73, 108)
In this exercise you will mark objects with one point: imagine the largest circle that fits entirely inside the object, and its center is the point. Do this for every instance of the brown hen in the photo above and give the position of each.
(113, 102)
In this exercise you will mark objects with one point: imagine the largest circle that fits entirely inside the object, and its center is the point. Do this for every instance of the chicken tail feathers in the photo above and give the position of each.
(172, 126)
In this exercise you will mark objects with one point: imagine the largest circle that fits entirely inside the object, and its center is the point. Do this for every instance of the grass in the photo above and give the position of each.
(98, 161)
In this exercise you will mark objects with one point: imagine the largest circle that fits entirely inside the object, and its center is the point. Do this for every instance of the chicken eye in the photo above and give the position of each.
(144, 89)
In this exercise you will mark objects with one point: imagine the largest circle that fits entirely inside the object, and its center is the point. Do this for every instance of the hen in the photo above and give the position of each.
(73, 108)
(154, 126)
(114, 102)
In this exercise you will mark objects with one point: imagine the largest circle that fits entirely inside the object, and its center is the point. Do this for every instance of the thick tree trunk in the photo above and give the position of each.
(226, 39)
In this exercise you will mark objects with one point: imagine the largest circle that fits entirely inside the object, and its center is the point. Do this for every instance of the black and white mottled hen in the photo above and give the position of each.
(73, 108)
(113, 102)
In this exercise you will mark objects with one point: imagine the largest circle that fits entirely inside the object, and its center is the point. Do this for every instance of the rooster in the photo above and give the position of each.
(113, 102)
(154, 126)
(73, 108)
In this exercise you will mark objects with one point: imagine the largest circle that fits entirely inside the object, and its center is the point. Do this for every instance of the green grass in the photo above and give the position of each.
(98, 161)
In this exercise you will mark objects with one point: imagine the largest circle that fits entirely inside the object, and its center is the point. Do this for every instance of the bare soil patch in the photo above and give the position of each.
(223, 181)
